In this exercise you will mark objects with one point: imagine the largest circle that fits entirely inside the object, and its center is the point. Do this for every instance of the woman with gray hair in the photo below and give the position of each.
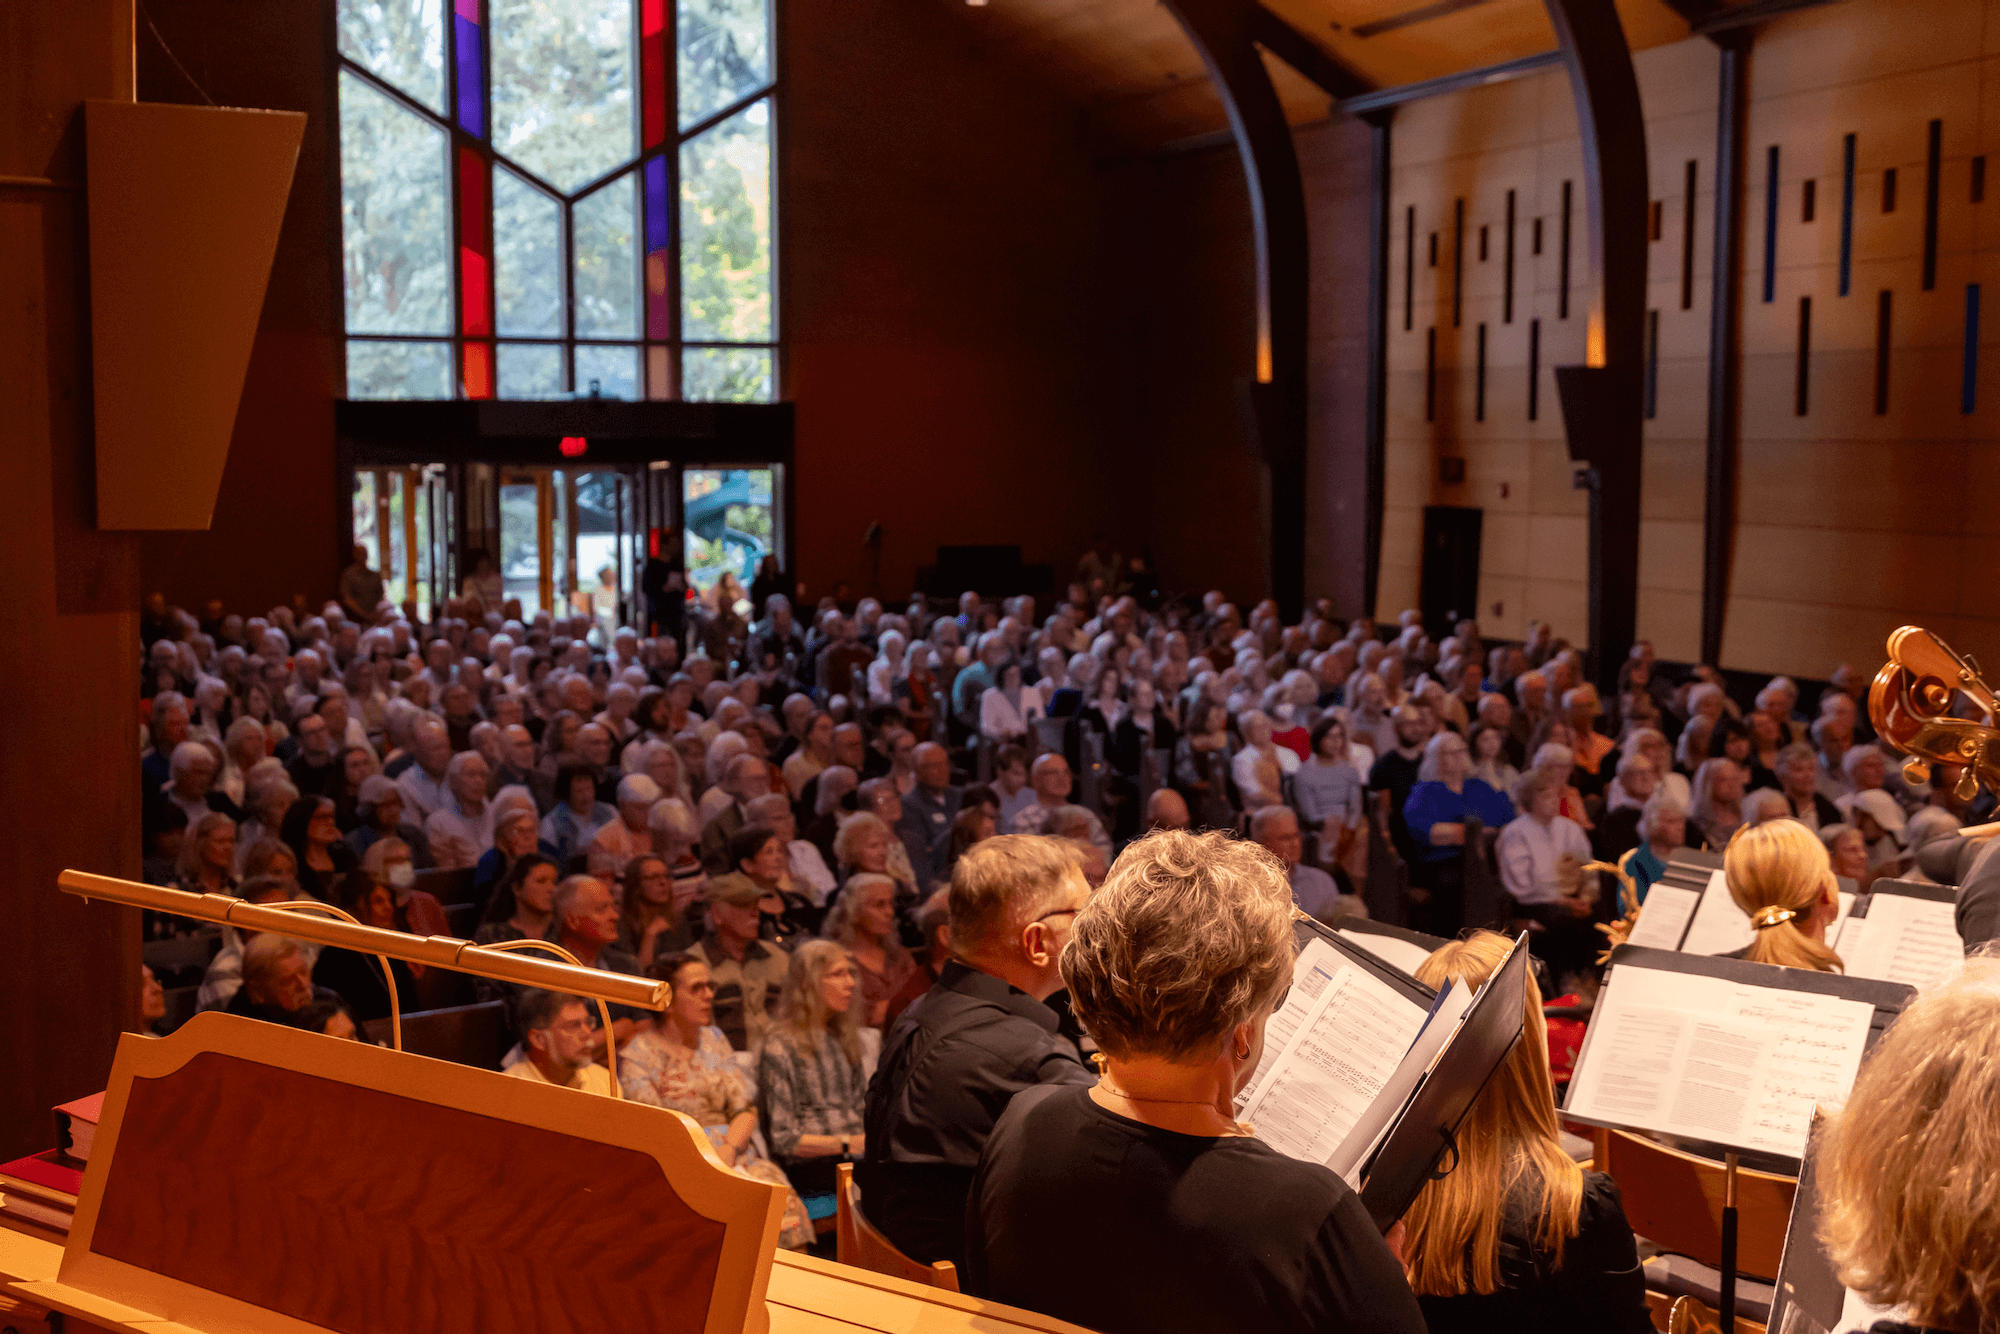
(1662, 829)
(1174, 968)
(1716, 809)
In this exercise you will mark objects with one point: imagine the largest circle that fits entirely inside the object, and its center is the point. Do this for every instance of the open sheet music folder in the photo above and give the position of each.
(1722, 1054)
(1904, 932)
(1689, 908)
(1357, 1050)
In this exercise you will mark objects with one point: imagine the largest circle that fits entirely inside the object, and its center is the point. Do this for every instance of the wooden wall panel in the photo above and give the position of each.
(1847, 524)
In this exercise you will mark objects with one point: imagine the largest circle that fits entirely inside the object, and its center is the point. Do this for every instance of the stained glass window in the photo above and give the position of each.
(556, 198)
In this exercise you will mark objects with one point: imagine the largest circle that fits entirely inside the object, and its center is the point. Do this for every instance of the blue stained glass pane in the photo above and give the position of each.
(658, 224)
(471, 77)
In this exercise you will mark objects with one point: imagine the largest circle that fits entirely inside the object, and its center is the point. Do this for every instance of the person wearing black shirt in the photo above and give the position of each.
(979, 1036)
(1140, 1204)
(1395, 772)
(1517, 1237)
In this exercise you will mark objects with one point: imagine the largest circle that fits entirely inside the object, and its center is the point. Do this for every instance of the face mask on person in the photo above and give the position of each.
(402, 875)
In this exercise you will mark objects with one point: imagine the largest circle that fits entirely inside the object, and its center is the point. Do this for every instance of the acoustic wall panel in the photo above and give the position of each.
(185, 206)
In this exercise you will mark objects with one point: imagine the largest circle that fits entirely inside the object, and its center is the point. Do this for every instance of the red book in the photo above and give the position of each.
(76, 1126)
(43, 1177)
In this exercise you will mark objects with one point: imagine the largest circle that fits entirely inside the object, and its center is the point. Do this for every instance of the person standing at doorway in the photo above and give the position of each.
(360, 588)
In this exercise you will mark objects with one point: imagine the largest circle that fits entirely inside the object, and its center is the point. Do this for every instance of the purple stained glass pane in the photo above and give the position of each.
(657, 215)
(471, 76)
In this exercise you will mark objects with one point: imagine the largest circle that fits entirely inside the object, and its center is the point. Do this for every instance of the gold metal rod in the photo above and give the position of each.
(440, 951)
(1980, 830)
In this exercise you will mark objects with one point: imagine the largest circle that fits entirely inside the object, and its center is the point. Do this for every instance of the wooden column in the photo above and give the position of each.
(1725, 336)
(1602, 400)
(70, 601)
(1226, 33)
(1378, 353)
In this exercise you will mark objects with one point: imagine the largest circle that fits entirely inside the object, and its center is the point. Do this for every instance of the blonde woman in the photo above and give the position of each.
(1779, 875)
(1517, 1236)
(864, 920)
(809, 1068)
(1908, 1212)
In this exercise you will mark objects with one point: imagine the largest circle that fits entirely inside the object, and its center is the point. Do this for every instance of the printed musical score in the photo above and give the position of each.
(1718, 1061)
(1332, 1064)
(1909, 940)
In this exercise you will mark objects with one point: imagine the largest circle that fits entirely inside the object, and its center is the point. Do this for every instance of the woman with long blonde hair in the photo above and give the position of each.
(1517, 1236)
(1779, 875)
(809, 1070)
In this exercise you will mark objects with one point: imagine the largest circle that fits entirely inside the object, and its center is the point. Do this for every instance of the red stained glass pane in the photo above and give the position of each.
(478, 374)
(653, 72)
(475, 244)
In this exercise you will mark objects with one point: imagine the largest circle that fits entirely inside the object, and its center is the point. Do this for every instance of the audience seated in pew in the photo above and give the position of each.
(556, 1041)
(809, 1068)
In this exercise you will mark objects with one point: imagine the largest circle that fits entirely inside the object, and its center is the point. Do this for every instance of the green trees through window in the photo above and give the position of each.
(545, 198)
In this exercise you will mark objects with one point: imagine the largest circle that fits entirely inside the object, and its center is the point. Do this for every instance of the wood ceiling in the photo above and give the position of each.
(1130, 65)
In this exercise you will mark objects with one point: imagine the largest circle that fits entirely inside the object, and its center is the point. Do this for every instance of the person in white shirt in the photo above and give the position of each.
(1007, 712)
(423, 783)
(1541, 855)
(1260, 767)
(461, 830)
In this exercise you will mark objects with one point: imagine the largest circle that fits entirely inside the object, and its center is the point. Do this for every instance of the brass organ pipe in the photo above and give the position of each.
(439, 951)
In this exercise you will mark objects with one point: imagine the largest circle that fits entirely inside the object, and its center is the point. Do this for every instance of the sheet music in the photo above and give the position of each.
(1852, 932)
(1335, 1063)
(1311, 971)
(1909, 940)
(1395, 952)
(1714, 1060)
(1444, 1020)
(1720, 927)
(1663, 917)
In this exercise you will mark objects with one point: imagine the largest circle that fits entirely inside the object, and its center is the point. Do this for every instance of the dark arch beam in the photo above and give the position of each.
(1228, 33)
(1602, 399)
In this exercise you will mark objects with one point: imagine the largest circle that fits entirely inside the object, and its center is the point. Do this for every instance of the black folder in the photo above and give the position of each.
(1428, 1126)
(1806, 1278)
(1305, 929)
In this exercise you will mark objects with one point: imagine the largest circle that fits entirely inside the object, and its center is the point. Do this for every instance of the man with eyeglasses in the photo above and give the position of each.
(981, 1034)
(556, 1041)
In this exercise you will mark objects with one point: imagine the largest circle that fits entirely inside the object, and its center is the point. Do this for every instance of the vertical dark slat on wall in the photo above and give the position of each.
(1884, 307)
(1846, 214)
(1932, 163)
(1507, 287)
(1687, 240)
(1808, 201)
(1430, 373)
(1968, 389)
(1770, 223)
(1374, 470)
(1457, 262)
(1652, 364)
(1725, 323)
(1979, 179)
(1801, 400)
(1409, 267)
(1534, 369)
(1889, 190)
(1562, 260)
(1479, 379)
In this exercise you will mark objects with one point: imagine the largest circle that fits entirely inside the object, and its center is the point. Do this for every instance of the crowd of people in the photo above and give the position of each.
(962, 850)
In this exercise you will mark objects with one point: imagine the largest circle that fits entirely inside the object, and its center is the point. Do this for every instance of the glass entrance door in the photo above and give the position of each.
(403, 519)
(569, 540)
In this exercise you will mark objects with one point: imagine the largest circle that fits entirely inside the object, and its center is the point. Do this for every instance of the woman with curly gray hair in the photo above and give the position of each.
(1141, 1203)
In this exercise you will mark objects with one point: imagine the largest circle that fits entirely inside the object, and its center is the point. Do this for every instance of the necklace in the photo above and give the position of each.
(1117, 1092)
